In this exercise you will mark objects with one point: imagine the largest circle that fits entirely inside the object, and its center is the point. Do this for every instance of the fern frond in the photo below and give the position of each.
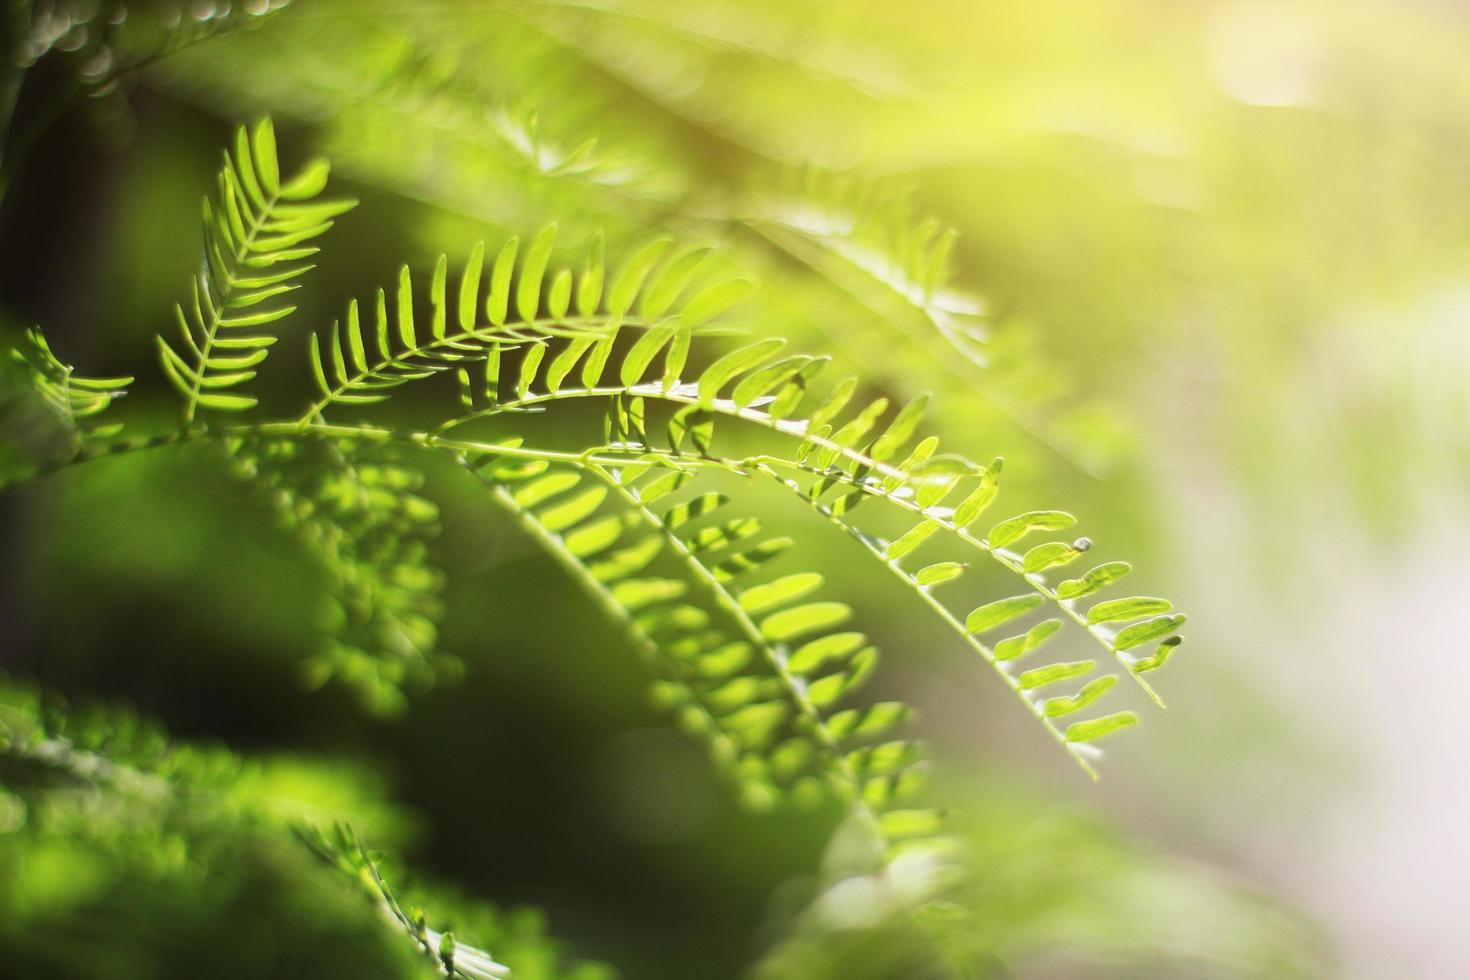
(822, 218)
(523, 303)
(76, 398)
(357, 511)
(256, 238)
(837, 465)
(342, 849)
(744, 661)
(516, 327)
(836, 458)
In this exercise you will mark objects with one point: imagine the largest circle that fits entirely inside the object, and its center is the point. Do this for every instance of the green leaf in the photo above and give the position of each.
(354, 338)
(900, 430)
(750, 559)
(767, 379)
(589, 290)
(248, 342)
(629, 280)
(545, 488)
(264, 146)
(705, 503)
(911, 539)
(883, 759)
(669, 282)
(314, 349)
(405, 309)
(596, 536)
(678, 355)
(226, 403)
(564, 362)
(380, 325)
(788, 399)
(1091, 691)
(307, 184)
(469, 287)
(492, 374)
(1009, 531)
(916, 458)
(993, 614)
(732, 364)
(939, 572)
(1135, 607)
(528, 291)
(725, 660)
(244, 167)
(829, 690)
(439, 320)
(948, 465)
(875, 720)
(1019, 646)
(1053, 554)
(789, 588)
(662, 485)
(1087, 731)
(835, 402)
(714, 300)
(800, 620)
(1053, 673)
(1094, 581)
(627, 561)
(1140, 633)
(738, 692)
(497, 300)
(723, 535)
(645, 350)
(339, 363)
(257, 319)
(934, 491)
(530, 366)
(572, 510)
(815, 654)
(596, 362)
(1159, 657)
(559, 296)
(635, 594)
(848, 436)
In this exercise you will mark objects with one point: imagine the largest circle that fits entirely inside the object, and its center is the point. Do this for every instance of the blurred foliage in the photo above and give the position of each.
(1060, 894)
(1083, 230)
(125, 854)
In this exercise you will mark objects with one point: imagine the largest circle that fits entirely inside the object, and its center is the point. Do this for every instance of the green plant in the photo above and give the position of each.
(125, 809)
(751, 663)
(609, 378)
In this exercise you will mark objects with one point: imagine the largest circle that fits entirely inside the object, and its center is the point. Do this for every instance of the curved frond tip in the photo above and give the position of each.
(257, 238)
